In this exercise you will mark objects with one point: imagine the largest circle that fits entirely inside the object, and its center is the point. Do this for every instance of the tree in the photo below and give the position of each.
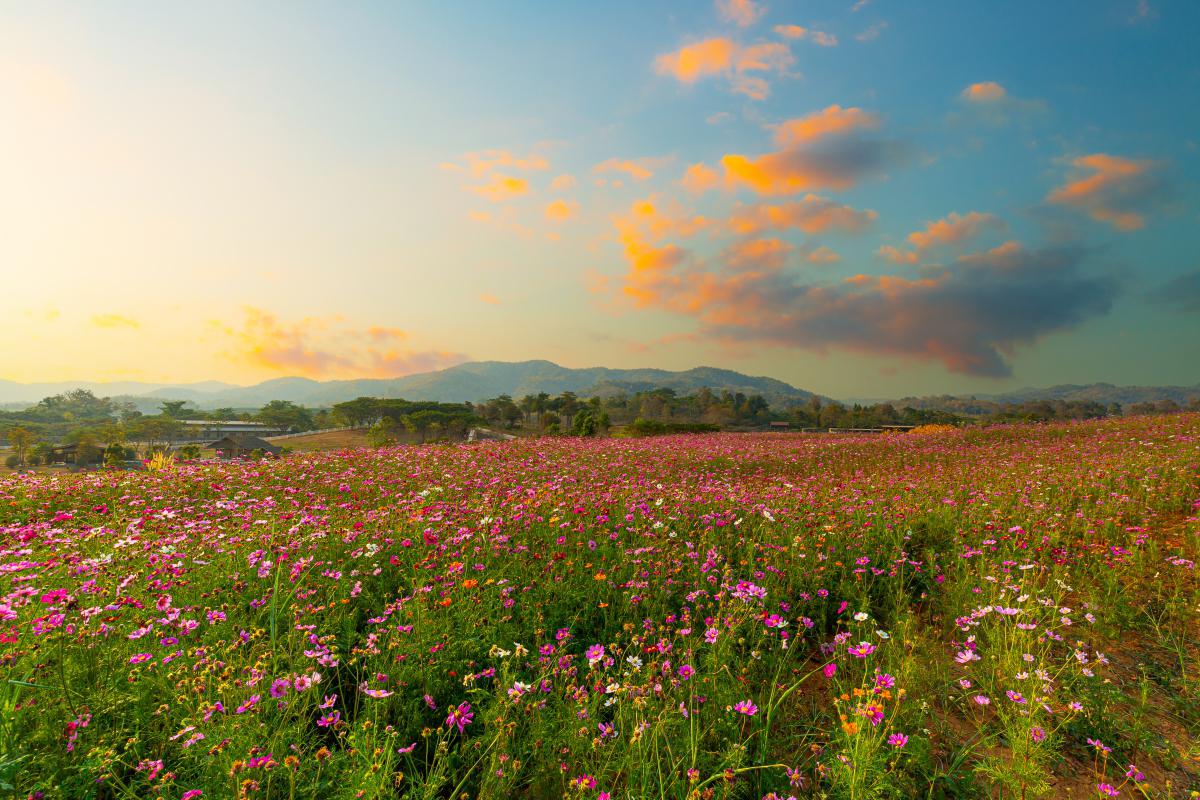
(155, 431)
(286, 415)
(380, 434)
(174, 409)
(20, 439)
(114, 455)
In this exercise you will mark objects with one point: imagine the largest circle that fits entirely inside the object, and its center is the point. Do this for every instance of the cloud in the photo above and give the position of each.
(639, 169)
(110, 321)
(562, 183)
(485, 165)
(561, 210)
(829, 121)
(489, 298)
(324, 347)
(740, 12)
(1181, 293)
(718, 118)
(823, 150)
(993, 103)
(700, 178)
(720, 56)
(812, 214)
(985, 92)
(482, 163)
(501, 188)
(1142, 12)
(818, 255)
(1119, 191)
(872, 32)
(800, 32)
(953, 230)
(970, 317)
(897, 256)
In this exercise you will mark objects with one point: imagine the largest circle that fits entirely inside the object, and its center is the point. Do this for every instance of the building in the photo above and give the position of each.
(214, 429)
(241, 445)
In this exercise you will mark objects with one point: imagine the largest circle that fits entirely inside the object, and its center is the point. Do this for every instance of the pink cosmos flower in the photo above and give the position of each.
(861, 650)
(745, 707)
(460, 717)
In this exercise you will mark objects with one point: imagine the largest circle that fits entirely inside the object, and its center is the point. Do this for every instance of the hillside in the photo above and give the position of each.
(473, 381)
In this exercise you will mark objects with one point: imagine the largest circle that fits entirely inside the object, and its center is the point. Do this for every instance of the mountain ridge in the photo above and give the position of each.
(472, 381)
(475, 381)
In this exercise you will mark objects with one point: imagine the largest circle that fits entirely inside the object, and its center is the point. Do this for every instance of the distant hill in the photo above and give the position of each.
(481, 380)
(473, 381)
(1103, 393)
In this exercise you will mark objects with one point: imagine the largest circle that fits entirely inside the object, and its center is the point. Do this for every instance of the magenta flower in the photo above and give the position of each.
(460, 717)
(745, 707)
(897, 740)
(594, 653)
(248, 705)
(861, 650)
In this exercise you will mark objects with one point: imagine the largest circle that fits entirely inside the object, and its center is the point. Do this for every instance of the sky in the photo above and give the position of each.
(864, 198)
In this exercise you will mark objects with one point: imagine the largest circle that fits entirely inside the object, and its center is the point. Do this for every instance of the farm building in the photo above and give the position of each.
(241, 445)
(214, 429)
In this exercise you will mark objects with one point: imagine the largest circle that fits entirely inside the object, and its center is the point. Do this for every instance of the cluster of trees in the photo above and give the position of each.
(104, 428)
(389, 416)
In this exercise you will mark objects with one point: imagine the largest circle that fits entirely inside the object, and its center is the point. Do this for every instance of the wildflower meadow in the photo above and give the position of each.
(989, 612)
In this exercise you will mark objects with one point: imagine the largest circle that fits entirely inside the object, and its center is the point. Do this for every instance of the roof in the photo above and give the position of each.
(236, 442)
(214, 422)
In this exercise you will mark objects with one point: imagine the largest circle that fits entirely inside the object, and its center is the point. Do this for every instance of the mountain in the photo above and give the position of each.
(1103, 393)
(473, 381)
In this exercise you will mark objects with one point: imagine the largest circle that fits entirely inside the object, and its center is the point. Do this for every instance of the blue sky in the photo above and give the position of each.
(863, 199)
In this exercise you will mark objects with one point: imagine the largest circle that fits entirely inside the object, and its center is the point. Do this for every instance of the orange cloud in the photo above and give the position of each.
(722, 56)
(561, 210)
(501, 188)
(833, 120)
(823, 150)
(986, 92)
(692, 62)
(323, 347)
(1118, 191)
(821, 255)
(747, 295)
(769, 254)
(638, 169)
(114, 321)
(799, 32)
(990, 102)
(811, 214)
(953, 230)
(562, 183)
(740, 12)
(897, 256)
(700, 178)
(484, 162)
(489, 298)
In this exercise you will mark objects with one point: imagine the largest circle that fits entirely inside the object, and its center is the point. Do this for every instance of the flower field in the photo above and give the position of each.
(991, 612)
